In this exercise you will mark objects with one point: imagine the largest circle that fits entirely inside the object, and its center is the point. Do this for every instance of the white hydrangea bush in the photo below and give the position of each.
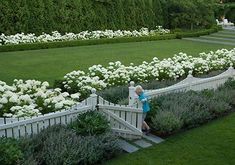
(78, 81)
(84, 35)
(32, 98)
(179, 65)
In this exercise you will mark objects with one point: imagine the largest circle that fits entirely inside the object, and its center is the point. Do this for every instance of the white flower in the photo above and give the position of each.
(75, 96)
(58, 105)
(13, 99)
(3, 100)
(84, 35)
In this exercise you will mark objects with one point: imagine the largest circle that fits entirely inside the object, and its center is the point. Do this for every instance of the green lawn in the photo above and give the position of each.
(211, 144)
(51, 64)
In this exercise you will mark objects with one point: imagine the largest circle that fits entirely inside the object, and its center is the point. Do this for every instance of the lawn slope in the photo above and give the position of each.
(211, 144)
(51, 64)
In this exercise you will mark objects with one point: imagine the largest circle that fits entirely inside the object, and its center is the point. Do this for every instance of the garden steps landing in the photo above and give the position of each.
(135, 145)
(225, 37)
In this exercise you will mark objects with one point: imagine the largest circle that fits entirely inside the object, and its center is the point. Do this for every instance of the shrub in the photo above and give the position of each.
(166, 122)
(10, 151)
(114, 94)
(90, 123)
(60, 145)
(190, 108)
(230, 84)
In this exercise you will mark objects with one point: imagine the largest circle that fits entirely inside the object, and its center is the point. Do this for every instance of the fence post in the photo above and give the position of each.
(131, 93)
(190, 77)
(231, 72)
(93, 97)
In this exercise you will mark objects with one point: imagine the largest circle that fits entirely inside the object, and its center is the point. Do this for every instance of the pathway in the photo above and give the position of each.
(225, 37)
(135, 145)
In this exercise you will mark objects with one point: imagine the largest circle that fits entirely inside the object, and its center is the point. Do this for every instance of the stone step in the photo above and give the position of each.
(230, 32)
(217, 38)
(127, 146)
(153, 138)
(142, 143)
(209, 41)
(222, 35)
(232, 28)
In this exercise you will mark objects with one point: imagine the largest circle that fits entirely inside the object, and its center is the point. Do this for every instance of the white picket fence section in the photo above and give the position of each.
(27, 126)
(190, 83)
(124, 121)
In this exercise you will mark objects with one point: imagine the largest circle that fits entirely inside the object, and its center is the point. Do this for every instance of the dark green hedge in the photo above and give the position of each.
(180, 35)
(37, 16)
(77, 15)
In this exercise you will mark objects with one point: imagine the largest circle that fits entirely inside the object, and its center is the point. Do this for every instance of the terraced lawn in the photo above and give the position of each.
(211, 144)
(53, 64)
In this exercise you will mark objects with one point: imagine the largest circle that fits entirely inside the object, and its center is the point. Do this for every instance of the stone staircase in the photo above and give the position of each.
(135, 145)
(224, 37)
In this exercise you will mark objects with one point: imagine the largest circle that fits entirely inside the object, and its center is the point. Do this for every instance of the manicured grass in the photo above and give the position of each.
(211, 144)
(51, 64)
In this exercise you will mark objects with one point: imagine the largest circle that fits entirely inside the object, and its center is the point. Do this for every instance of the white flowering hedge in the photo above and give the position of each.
(31, 98)
(116, 73)
(84, 35)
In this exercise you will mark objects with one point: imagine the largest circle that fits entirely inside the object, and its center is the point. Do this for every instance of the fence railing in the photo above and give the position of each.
(190, 83)
(124, 121)
(29, 126)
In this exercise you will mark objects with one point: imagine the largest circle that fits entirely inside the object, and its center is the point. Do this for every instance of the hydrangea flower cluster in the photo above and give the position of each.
(84, 35)
(116, 73)
(32, 98)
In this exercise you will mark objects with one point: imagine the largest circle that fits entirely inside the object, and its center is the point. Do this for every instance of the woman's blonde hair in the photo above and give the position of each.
(138, 89)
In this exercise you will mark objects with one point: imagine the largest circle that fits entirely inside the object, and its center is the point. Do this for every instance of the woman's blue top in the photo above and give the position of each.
(144, 99)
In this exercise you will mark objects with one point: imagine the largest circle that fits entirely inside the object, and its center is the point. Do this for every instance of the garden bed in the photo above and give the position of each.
(87, 140)
(34, 46)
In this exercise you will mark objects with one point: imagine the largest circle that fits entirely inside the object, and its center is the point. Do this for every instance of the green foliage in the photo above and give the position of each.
(77, 15)
(60, 145)
(10, 151)
(191, 14)
(190, 109)
(90, 123)
(166, 122)
(114, 94)
(213, 29)
(226, 10)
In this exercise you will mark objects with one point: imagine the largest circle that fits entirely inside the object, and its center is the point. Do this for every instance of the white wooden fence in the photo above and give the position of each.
(190, 83)
(124, 121)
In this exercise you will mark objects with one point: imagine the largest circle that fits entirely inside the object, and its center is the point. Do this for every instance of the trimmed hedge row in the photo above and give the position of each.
(198, 33)
(34, 46)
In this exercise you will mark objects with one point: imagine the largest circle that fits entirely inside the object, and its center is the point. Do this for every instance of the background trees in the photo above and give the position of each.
(77, 15)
